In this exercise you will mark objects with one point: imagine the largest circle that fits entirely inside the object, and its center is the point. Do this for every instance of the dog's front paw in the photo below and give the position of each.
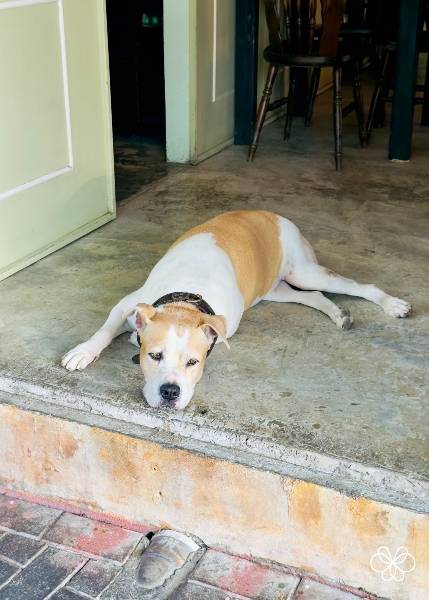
(79, 357)
(343, 318)
(395, 307)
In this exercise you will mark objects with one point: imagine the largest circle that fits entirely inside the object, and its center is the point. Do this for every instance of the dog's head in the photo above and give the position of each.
(175, 339)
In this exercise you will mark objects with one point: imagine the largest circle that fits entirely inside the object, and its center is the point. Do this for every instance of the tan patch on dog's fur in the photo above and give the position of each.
(179, 314)
(252, 241)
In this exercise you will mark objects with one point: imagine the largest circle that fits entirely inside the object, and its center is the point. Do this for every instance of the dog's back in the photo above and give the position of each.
(252, 241)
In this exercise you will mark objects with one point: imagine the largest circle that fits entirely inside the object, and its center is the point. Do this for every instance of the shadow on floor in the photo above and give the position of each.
(138, 162)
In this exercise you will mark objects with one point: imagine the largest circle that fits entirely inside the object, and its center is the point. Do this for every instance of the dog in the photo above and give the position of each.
(197, 293)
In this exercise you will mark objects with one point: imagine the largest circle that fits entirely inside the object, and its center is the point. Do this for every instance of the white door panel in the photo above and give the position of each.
(56, 165)
(215, 51)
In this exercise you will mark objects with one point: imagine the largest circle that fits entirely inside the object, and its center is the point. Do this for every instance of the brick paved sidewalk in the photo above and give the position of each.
(47, 553)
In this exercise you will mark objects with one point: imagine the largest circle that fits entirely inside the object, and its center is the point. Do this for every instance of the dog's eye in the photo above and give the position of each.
(191, 362)
(156, 356)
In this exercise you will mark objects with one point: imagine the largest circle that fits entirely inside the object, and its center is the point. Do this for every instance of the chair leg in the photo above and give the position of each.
(262, 108)
(379, 87)
(357, 95)
(425, 107)
(314, 86)
(290, 104)
(338, 117)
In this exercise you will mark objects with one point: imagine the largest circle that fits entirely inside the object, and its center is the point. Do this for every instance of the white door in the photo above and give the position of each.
(215, 51)
(56, 164)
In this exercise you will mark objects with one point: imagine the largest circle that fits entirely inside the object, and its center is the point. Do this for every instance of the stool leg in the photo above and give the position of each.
(358, 102)
(314, 86)
(376, 95)
(338, 117)
(290, 104)
(262, 109)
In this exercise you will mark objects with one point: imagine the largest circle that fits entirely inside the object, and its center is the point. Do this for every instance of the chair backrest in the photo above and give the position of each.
(358, 13)
(292, 25)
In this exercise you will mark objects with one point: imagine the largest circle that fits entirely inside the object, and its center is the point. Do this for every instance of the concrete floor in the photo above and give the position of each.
(342, 405)
(138, 162)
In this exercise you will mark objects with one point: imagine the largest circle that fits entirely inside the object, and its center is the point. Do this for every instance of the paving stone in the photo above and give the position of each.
(6, 572)
(94, 577)
(313, 590)
(197, 591)
(93, 537)
(65, 594)
(18, 548)
(244, 577)
(44, 574)
(125, 584)
(25, 517)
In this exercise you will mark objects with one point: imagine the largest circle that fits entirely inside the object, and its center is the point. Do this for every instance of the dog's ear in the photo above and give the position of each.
(213, 325)
(144, 314)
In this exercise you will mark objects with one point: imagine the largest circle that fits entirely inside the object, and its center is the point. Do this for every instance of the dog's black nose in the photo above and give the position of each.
(169, 392)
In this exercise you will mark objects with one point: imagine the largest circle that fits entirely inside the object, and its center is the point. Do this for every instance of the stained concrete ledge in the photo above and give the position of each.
(198, 433)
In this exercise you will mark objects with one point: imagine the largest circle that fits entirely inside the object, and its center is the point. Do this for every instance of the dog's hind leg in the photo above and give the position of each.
(311, 276)
(284, 293)
(87, 352)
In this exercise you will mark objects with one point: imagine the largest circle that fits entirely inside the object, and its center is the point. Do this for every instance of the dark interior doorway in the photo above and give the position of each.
(136, 55)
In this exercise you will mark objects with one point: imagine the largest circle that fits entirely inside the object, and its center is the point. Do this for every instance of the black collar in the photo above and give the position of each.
(195, 299)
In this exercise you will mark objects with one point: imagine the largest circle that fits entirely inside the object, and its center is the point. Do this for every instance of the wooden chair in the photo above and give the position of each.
(295, 42)
(356, 38)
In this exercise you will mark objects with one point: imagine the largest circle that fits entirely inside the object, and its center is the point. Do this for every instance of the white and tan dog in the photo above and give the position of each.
(232, 261)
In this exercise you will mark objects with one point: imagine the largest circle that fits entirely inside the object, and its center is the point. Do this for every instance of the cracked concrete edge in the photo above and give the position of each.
(206, 437)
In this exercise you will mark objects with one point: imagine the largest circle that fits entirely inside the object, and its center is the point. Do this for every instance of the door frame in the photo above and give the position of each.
(246, 69)
(401, 126)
